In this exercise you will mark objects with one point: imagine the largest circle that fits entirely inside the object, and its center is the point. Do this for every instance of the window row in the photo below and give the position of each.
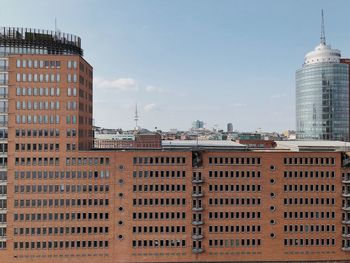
(159, 174)
(309, 161)
(235, 188)
(24, 63)
(3, 189)
(158, 229)
(3, 244)
(309, 174)
(309, 201)
(37, 147)
(38, 91)
(48, 78)
(3, 175)
(159, 160)
(234, 215)
(234, 174)
(3, 134)
(308, 228)
(59, 202)
(87, 160)
(37, 161)
(72, 64)
(60, 230)
(60, 216)
(3, 149)
(3, 204)
(37, 119)
(3, 218)
(309, 242)
(61, 188)
(345, 176)
(159, 187)
(158, 215)
(234, 242)
(235, 160)
(38, 105)
(3, 232)
(38, 133)
(159, 243)
(311, 188)
(160, 201)
(235, 229)
(61, 244)
(309, 215)
(61, 175)
(234, 201)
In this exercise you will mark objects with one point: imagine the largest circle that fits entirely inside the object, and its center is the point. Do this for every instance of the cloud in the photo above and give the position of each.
(118, 84)
(154, 89)
(150, 107)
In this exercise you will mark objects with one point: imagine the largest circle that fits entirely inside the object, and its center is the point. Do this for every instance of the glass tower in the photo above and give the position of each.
(322, 95)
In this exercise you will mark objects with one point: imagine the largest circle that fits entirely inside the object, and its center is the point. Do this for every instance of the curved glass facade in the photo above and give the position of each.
(322, 102)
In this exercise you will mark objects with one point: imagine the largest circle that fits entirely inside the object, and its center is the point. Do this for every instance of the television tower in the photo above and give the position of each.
(136, 117)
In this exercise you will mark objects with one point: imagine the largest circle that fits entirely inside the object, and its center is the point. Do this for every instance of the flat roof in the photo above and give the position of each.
(168, 144)
(313, 145)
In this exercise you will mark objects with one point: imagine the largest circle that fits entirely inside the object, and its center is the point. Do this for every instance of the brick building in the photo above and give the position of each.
(189, 201)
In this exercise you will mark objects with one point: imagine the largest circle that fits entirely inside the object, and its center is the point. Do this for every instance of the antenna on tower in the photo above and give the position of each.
(55, 25)
(323, 36)
(136, 117)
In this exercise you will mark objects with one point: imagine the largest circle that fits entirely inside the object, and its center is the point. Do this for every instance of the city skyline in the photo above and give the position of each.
(182, 61)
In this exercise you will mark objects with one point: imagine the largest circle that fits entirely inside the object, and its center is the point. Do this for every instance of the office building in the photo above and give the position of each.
(322, 95)
(196, 125)
(229, 127)
(61, 200)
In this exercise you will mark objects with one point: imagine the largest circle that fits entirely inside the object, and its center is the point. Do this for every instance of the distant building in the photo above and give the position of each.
(229, 127)
(249, 136)
(196, 125)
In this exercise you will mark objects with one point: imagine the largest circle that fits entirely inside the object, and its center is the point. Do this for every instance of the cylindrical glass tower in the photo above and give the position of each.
(322, 96)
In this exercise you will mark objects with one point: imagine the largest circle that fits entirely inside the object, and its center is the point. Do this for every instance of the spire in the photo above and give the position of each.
(136, 117)
(323, 36)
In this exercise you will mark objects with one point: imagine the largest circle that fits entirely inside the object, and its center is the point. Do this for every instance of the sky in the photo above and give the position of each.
(218, 61)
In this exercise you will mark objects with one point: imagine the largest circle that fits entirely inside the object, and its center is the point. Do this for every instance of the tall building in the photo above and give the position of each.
(61, 200)
(322, 95)
(229, 127)
(196, 125)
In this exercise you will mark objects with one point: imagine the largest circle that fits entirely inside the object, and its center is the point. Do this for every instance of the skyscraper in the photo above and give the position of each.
(229, 127)
(322, 95)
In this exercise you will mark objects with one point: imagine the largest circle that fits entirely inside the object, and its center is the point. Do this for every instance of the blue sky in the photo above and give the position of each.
(217, 61)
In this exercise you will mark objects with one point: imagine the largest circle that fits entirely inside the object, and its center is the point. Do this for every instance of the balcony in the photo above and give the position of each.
(346, 181)
(197, 237)
(346, 208)
(197, 209)
(346, 235)
(197, 194)
(346, 222)
(197, 250)
(197, 180)
(197, 223)
(3, 68)
(345, 194)
(346, 248)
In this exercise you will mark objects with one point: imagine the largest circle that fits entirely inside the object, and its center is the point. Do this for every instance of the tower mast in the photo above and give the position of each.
(323, 36)
(136, 117)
